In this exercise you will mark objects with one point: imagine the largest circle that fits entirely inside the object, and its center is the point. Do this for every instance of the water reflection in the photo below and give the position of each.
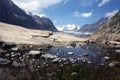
(48, 62)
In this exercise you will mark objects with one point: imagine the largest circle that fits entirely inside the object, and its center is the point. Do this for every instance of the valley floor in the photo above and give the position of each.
(20, 35)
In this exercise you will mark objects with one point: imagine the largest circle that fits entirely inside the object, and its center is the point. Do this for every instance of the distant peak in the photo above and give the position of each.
(111, 14)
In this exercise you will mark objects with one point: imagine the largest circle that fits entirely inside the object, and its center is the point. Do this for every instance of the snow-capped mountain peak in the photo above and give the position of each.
(71, 27)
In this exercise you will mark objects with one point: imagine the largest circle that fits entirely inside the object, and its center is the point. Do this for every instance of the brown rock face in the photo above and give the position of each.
(110, 31)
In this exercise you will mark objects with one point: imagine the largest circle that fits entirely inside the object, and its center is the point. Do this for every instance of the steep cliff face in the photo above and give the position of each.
(111, 30)
(91, 28)
(10, 13)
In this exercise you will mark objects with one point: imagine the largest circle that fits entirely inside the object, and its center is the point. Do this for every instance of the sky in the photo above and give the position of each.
(71, 12)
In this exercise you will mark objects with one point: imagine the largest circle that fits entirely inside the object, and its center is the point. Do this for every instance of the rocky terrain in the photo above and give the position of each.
(110, 31)
(12, 14)
(92, 28)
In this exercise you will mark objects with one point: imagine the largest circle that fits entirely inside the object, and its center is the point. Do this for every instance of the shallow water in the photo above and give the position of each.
(30, 67)
(94, 54)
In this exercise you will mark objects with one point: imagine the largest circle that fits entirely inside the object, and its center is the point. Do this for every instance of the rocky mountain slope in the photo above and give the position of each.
(111, 30)
(91, 28)
(12, 14)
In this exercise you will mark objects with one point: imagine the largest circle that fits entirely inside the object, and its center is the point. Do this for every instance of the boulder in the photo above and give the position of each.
(8, 45)
(34, 53)
(4, 62)
(118, 51)
(115, 63)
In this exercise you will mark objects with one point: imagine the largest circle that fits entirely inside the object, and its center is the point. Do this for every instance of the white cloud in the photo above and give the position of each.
(103, 2)
(111, 14)
(85, 15)
(85, 3)
(35, 6)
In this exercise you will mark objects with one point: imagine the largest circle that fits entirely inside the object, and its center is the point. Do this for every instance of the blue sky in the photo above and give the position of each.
(64, 12)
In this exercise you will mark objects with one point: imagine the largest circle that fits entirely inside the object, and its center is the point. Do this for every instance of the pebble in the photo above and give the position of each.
(51, 56)
(55, 60)
(70, 53)
(106, 57)
(118, 51)
(74, 73)
(33, 52)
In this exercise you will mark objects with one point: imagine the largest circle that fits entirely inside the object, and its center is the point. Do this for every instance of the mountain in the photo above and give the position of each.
(12, 14)
(91, 28)
(111, 30)
(71, 27)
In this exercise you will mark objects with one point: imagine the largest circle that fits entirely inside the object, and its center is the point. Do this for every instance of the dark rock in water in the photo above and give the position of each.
(73, 44)
(86, 54)
(4, 62)
(8, 45)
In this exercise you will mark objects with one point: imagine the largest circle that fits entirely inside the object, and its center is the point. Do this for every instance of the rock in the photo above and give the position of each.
(89, 62)
(16, 64)
(70, 53)
(33, 52)
(8, 45)
(69, 47)
(106, 57)
(118, 51)
(74, 73)
(73, 44)
(51, 56)
(15, 49)
(55, 60)
(4, 62)
(112, 64)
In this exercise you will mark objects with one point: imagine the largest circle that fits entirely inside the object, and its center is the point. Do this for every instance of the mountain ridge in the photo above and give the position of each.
(93, 27)
(12, 14)
(110, 31)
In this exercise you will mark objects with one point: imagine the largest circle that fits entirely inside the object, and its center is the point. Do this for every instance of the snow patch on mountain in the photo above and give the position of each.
(71, 27)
